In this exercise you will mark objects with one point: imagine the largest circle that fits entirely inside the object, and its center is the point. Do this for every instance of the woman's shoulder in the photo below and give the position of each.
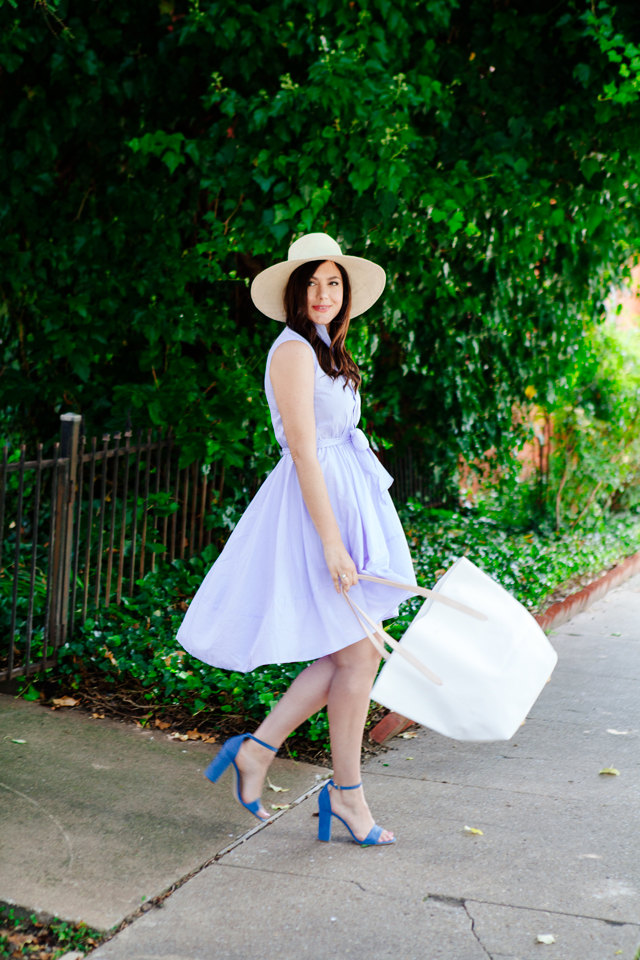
(289, 336)
(290, 344)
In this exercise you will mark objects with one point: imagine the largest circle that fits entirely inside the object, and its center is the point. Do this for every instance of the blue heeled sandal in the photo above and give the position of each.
(325, 813)
(227, 756)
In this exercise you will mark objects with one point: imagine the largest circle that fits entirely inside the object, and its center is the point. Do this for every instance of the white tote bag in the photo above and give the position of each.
(485, 657)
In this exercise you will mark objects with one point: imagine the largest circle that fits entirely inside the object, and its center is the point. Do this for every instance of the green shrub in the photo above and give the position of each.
(529, 563)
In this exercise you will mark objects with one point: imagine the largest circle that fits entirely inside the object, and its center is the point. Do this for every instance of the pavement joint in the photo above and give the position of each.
(157, 903)
(261, 826)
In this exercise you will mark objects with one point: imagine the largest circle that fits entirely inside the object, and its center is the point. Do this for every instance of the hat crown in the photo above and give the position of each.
(314, 246)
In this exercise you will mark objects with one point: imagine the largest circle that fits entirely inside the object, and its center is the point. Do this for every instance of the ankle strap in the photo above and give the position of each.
(354, 787)
(250, 736)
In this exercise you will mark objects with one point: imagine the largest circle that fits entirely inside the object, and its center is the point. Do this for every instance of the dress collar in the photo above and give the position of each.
(323, 333)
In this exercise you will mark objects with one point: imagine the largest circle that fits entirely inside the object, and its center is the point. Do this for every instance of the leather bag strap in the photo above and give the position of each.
(380, 637)
(429, 594)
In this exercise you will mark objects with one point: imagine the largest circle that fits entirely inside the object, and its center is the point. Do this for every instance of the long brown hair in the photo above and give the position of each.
(335, 361)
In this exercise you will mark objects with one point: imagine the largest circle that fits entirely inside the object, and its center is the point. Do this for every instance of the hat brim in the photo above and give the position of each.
(366, 278)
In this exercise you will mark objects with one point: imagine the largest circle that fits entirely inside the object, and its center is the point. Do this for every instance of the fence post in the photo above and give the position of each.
(64, 510)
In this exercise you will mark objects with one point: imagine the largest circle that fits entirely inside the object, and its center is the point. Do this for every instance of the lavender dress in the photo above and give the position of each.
(269, 597)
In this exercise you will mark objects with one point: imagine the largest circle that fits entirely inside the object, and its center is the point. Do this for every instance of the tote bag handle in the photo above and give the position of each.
(429, 594)
(379, 637)
(378, 641)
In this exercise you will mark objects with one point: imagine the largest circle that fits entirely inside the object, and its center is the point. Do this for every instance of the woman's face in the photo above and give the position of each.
(324, 293)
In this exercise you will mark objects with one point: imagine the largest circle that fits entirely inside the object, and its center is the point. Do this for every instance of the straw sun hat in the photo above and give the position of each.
(367, 279)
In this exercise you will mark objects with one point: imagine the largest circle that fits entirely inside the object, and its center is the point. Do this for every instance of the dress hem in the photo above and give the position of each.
(307, 659)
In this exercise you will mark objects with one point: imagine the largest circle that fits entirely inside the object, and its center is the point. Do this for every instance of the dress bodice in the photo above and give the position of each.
(336, 404)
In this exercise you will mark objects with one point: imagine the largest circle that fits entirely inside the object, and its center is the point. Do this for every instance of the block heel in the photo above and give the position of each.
(225, 758)
(325, 813)
(324, 816)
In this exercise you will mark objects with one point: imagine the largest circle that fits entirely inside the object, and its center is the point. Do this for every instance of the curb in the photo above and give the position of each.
(557, 614)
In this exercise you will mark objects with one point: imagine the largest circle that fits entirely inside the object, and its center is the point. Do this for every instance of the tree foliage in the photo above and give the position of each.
(154, 159)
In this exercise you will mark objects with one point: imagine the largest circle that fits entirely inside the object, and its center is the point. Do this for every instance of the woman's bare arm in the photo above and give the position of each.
(292, 378)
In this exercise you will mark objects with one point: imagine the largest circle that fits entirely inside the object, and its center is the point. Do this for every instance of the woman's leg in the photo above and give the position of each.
(342, 680)
(348, 705)
(307, 694)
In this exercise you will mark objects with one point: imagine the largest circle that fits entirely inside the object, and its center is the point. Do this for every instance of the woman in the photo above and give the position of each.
(321, 517)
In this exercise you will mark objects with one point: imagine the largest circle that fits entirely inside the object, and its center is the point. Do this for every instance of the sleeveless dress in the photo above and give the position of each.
(269, 597)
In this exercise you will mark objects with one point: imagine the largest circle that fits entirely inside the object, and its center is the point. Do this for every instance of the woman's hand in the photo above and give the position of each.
(341, 567)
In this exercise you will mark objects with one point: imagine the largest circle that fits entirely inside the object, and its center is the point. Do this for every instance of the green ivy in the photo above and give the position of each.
(531, 564)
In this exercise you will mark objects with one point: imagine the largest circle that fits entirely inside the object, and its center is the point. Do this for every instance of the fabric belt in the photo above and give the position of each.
(367, 458)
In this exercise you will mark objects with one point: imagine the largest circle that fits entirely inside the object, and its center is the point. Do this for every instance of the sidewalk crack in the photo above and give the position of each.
(473, 929)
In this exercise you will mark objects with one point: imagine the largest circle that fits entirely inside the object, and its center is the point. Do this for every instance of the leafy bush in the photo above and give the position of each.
(138, 639)
(530, 564)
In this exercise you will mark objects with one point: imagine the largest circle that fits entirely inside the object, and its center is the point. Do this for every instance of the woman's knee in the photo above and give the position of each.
(361, 655)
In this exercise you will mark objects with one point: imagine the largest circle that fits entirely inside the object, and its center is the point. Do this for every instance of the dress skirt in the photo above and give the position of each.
(269, 597)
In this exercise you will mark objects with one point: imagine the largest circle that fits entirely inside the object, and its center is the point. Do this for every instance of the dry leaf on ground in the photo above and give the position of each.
(409, 735)
(162, 725)
(194, 735)
(275, 789)
(211, 739)
(177, 736)
(97, 716)
(19, 939)
(478, 833)
(65, 702)
(610, 771)
(545, 938)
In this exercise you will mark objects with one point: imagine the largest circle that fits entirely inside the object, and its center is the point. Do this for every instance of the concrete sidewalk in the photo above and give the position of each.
(96, 817)
(559, 855)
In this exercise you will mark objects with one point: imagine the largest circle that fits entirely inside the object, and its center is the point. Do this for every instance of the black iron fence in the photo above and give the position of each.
(77, 530)
(408, 481)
